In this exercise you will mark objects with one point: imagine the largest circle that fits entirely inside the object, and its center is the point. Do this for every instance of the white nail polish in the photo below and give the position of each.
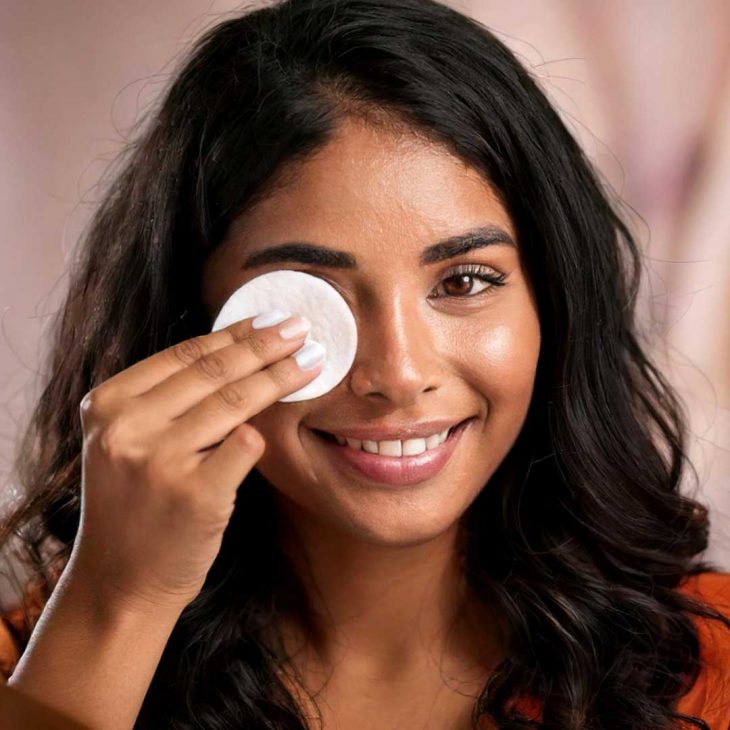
(266, 319)
(309, 355)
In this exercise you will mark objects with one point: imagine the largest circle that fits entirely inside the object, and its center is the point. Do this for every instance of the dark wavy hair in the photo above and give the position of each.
(581, 537)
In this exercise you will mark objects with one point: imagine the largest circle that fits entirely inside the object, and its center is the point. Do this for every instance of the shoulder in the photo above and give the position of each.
(712, 587)
(709, 698)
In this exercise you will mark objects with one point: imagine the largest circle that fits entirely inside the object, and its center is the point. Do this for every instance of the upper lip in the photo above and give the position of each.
(387, 432)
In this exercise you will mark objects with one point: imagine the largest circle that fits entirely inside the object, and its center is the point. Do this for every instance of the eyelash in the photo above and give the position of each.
(476, 271)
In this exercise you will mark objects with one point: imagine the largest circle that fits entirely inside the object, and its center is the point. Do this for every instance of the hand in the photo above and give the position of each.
(165, 447)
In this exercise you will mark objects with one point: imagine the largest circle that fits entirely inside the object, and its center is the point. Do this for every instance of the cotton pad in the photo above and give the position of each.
(297, 293)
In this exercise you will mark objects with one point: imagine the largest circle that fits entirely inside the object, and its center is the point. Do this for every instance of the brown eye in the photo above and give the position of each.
(461, 280)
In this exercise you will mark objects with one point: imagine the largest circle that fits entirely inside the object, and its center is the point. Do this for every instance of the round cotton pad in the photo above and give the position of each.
(297, 293)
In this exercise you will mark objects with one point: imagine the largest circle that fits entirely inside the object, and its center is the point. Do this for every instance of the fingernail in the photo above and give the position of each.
(295, 328)
(266, 319)
(311, 354)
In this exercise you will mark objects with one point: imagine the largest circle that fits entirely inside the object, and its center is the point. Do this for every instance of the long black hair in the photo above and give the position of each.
(580, 538)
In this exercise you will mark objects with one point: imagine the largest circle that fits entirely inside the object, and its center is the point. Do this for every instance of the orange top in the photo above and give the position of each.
(708, 699)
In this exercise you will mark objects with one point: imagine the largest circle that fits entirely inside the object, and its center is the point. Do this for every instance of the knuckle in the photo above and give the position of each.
(251, 438)
(93, 403)
(212, 367)
(115, 440)
(239, 331)
(261, 347)
(233, 399)
(188, 351)
(88, 406)
(283, 375)
(156, 470)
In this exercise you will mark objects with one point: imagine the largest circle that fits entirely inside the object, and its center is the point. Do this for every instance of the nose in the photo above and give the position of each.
(396, 359)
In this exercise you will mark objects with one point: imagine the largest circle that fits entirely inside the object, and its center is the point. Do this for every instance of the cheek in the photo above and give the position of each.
(500, 359)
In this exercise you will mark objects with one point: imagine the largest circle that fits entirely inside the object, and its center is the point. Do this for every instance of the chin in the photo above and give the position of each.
(376, 517)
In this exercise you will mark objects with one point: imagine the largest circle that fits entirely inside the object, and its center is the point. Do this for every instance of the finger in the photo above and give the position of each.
(182, 390)
(229, 464)
(211, 420)
(147, 373)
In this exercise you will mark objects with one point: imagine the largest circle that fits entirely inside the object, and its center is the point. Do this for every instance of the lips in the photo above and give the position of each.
(331, 437)
(393, 470)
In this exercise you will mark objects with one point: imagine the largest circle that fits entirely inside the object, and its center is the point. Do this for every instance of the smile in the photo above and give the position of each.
(394, 469)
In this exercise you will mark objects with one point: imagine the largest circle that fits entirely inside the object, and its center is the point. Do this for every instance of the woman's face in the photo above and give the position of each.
(432, 342)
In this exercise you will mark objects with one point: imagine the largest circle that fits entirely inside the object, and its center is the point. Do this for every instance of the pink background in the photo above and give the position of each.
(645, 86)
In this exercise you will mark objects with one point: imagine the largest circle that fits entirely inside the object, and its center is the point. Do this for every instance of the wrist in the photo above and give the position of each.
(109, 607)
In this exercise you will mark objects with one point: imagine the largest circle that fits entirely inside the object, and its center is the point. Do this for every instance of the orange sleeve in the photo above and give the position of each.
(709, 698)
(14, 632)
(9, 653)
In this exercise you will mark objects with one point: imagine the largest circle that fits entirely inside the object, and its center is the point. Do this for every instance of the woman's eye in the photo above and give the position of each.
(462, 282)
(459, 283)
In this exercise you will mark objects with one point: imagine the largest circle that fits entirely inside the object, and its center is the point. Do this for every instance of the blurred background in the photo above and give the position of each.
(644, 85)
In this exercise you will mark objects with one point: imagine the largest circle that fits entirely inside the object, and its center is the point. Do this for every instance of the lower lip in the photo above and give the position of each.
(398, 470)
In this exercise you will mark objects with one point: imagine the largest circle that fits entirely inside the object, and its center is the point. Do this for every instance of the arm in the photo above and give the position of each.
(19, 712)
(151, 523)
(92, 662)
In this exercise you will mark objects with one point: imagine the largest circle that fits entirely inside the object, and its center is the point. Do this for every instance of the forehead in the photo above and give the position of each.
(376, 184)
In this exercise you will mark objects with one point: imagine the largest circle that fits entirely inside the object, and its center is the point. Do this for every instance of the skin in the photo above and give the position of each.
(396, 619)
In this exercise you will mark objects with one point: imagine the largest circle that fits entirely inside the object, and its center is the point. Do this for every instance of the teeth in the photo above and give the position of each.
(409, 447)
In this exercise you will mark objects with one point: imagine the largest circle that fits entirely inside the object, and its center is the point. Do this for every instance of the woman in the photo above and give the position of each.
(224, 568)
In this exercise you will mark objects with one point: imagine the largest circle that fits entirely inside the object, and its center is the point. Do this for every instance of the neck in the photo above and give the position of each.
(383, 611)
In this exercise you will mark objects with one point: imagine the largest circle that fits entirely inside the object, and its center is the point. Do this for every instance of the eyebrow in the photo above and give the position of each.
(310, 253)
